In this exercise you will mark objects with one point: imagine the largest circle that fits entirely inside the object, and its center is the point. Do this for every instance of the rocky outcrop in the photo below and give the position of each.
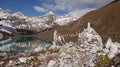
(88, 52)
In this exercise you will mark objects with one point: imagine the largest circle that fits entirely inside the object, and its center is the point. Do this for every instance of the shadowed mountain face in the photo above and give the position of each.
(106, 21)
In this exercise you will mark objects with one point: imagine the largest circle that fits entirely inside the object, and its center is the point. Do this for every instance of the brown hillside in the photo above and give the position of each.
(106, 21)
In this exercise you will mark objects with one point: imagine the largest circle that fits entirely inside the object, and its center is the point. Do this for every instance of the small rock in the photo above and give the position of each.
(51, 63)
(117, 60)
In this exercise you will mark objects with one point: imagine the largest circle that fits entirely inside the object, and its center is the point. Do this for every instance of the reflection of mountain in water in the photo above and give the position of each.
(19, 45)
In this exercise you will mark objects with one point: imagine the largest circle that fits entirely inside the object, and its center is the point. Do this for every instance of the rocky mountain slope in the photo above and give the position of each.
(105, 20)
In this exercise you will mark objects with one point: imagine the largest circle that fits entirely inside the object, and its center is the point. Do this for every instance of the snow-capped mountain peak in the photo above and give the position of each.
(8, 11)
(38, 23)
(1, 9)
(18, 14)
(49, 13)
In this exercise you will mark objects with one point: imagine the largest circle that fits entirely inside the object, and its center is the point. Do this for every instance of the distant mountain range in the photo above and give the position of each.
(105, 20)
(20, 21)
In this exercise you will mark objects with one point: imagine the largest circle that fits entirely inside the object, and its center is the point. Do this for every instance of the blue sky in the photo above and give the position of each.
(60, 7)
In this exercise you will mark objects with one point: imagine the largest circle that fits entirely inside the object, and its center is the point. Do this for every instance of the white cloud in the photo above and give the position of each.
(39, 9)
(71, 5)
(80, 13)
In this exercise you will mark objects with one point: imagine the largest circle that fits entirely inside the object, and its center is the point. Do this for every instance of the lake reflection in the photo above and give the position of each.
(13, 45)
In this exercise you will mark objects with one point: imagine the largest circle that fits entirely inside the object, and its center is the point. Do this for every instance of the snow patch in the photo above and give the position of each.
(23, 59)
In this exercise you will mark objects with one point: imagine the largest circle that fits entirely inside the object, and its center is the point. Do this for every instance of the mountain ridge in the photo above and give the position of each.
(104, 20)
(37, 24)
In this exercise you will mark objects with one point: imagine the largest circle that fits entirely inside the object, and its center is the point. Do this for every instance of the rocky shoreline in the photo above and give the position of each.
(89, 51)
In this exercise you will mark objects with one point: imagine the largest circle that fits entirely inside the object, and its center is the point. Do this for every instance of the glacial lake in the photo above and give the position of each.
(14, 46)
(18, 45)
